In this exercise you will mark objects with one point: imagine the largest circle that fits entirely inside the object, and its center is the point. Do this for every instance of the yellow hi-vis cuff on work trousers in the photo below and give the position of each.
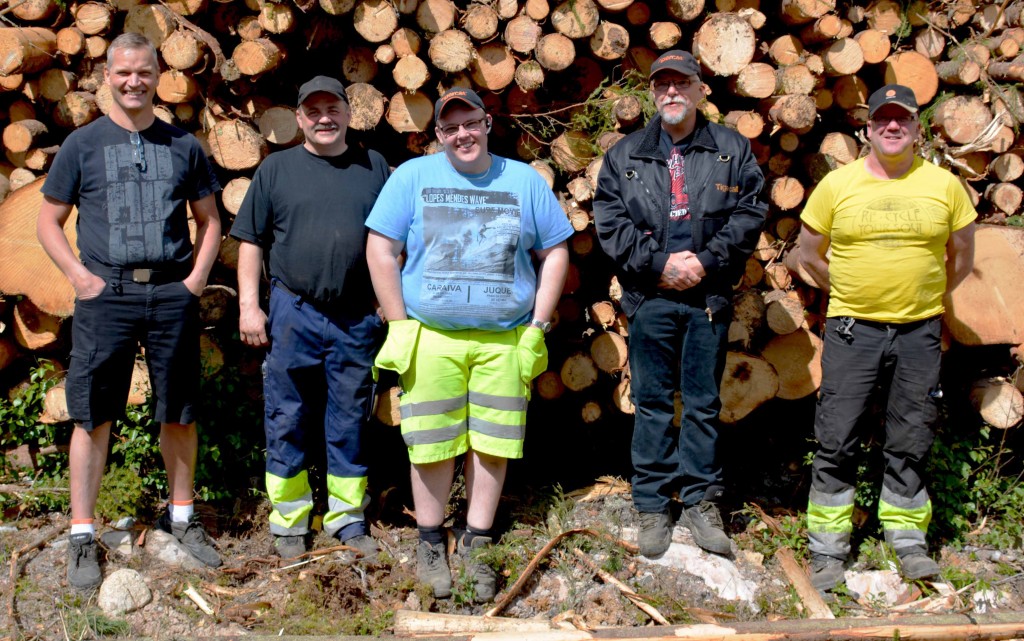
(292, 501)
(346, 500)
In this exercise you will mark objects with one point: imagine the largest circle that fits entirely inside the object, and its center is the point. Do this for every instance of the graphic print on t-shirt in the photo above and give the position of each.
(891, 222)
(470, 237)
(135, 210)
(679, 209)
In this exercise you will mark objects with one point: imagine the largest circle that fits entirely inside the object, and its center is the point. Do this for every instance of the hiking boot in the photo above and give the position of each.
(655, 533)
(366, 545)
(918, 566)
(483, 576)
(827, 572)
(83, 562)
(193, 536)
(432, 568)
(705, 524)
(290, 547)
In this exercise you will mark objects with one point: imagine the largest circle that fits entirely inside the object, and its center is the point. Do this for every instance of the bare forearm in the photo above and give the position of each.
(550, 280)
(818, 269)
(206, 249)
(250, 267)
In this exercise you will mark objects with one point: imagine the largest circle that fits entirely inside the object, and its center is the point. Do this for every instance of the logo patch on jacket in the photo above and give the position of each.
(727, 188)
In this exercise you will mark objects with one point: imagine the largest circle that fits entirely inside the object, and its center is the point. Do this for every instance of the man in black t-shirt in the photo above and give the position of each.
(304, 212)
(138, 281)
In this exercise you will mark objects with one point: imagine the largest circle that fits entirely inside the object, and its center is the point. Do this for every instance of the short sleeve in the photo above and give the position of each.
(204, 179)
(65, 177)
(393, 212)
(818, 211)
(552, 224)
(962, 212)
(251, 220)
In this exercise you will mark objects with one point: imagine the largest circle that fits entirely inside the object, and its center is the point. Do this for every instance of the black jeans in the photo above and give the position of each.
(675, 346)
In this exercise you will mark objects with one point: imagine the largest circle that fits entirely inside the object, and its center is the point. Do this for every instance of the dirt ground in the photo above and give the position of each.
(333, 593)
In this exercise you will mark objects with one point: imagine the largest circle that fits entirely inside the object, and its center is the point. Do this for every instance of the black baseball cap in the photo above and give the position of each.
(325, 84)
(461, 94)
(892, 95)
(676, 60)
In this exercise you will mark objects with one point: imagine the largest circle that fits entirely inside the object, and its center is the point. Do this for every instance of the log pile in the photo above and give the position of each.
(793, 76)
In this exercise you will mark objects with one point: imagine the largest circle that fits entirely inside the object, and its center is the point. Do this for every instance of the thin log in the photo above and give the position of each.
(624, 589)
(809, 596)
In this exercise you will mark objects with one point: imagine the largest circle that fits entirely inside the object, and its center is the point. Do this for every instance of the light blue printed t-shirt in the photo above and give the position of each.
(469, 240)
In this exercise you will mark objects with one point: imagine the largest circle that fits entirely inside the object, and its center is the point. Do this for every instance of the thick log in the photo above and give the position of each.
(575, 18)
(182, 50)
(795, 79)
(748, 123)
(25, 50)
(885, 16)
(874, 45)
(494, 66)
(55, 406)
(375, 20)
(451, 51)
(279, 127)
(785, 313)
(725, 44)
(913, 70)
(622, 396)
(20, 136)
(480, 21)
(235, 145)
(410, 73)
(930, 43)
(824, 28)
(1012, 71)
(555, 52)
(786, 50)
(154, 21)
(610, 41)
(522, 34)
(255, 57)
(756, 80)
(176, 87)
(435, 16)
(579, 372)
(960, 71)
(1008, 167)
(796, 12)
(34, 329)
(572, 151)
(786, 193)
(549, 386)
(987, 307)
(1006, 197)
(664, 35)
(54, 83)
(685, 10)
(76, 109)
(794, 112)
(366, 104)
(410, 112)
(748, 316)
(609, 352)
(277, 17)
(406, 42)
(94, 18)
(359, 65)
(998, 401)
(748, 382)
(796, 358)
(234, 193)
(961, 119)
(843, 57)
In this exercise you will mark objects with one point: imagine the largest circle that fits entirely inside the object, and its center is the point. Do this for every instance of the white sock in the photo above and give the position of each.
(181, 513)
(83, 528)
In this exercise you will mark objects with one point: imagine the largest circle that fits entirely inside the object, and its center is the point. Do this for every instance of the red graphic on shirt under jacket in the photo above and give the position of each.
(679, 209)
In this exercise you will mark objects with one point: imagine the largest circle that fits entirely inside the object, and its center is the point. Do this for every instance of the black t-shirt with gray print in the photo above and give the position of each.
(131, 207)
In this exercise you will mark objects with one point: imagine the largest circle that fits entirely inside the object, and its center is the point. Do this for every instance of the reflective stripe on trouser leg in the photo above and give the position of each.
(464, 389)
(292, 500)
(905, 521)
(346, 500)
(830, 522)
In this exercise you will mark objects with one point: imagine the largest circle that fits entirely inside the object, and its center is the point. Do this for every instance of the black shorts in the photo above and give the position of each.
(105, 336)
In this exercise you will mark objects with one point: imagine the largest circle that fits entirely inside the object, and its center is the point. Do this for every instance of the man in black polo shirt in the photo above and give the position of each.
(304, 212)
(138, 280)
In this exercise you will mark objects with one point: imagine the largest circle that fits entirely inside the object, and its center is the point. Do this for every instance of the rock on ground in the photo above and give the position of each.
(123, 591)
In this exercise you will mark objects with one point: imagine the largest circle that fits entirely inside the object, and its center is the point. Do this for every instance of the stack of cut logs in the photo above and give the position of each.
(791, 75)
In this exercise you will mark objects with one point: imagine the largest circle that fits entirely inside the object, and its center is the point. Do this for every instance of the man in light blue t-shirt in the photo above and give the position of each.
(467, 315)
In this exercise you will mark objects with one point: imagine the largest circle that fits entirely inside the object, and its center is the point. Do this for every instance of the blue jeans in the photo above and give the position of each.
(675, 346)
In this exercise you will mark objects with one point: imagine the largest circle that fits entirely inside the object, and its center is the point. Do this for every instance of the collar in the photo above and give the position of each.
(649, 145)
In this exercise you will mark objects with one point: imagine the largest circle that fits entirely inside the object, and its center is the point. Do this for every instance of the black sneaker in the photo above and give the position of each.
(918, 566)
(705, 523)
(83, 562)
(432, 568)
(290, 547)
(483, 576)
(827, 572)
(655, 533)
(193, 536)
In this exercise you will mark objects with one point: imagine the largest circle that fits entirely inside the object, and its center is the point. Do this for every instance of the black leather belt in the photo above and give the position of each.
(153, 276)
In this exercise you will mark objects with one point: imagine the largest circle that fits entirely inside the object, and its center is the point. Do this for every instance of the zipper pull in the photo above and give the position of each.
(707, 310)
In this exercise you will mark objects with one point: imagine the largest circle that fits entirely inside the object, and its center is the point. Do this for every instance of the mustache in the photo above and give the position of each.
(673, 100)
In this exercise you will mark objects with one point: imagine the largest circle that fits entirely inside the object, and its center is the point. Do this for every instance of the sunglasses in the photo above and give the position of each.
(138, 153)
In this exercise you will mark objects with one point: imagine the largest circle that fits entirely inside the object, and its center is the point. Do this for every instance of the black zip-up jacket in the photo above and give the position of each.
(631, 208)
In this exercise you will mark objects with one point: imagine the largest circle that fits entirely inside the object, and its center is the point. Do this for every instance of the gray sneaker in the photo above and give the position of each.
(483, 576)
(432, 568)
(367, 546)
(705, 523)
(655, 533)
(918, 566)
(827, 572)
(193, 536)
(83, 562)
(290, 547)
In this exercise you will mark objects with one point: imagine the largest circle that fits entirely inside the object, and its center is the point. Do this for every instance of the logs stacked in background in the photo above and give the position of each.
(792, 75)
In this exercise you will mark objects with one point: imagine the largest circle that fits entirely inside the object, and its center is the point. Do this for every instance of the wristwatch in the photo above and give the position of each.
(544, 326)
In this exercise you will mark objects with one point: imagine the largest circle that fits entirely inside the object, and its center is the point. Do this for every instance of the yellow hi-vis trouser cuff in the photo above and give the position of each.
(830, 523)
(346, 500)
(292, 501)
(905, 521)
(468, 389)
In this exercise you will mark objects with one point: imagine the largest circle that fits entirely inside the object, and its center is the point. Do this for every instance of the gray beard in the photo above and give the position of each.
(673, 119)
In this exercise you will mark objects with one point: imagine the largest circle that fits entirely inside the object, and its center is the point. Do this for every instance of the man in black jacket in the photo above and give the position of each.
(677, 209)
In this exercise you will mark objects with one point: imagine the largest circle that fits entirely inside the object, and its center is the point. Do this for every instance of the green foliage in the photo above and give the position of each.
(766, 541)
(1015, 221)
(122, 493)
(598, 113)
(84, 621)
(874, 554)
(19, 419)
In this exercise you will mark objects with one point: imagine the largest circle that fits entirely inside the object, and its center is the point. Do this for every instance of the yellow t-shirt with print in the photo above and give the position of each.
(888, 239)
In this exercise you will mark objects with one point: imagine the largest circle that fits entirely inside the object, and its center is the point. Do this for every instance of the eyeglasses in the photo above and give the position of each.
(471, 126)
(138, 153)
(662, 85)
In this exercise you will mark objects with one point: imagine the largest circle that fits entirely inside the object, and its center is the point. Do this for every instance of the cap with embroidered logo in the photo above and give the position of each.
(325, 84)
(457, 94)
(676, 60)
(892, 95)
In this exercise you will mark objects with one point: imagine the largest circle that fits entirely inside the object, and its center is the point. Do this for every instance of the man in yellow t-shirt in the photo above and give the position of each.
(901, 233)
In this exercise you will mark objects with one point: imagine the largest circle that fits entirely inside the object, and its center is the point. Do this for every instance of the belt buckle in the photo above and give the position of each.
(141, 275)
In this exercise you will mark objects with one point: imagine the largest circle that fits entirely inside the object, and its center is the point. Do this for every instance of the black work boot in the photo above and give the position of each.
(432, 568)
(827, 572)
(918, 566)
(705, 523)
(83, 562)
(289, 546)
